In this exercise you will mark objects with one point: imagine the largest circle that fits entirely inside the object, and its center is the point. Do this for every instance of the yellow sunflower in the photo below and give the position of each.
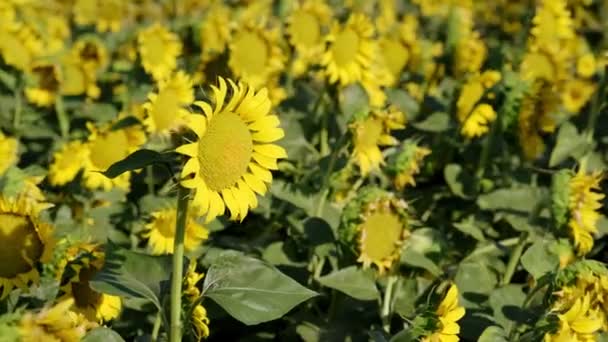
(54, 323)
(579, 323)
(27, 244)
(214, 32)
(234, 152)
(107, 15)
(47, 83)
(83, 263)
(8, 152)
(586, 65)
(256, 54)
(67, 162)
(576, 94)
(161, 232)
(19, 45)
(584, 203)
(371, 132)
(305, 30)
(166, 109)
(199, 321)
(350, 50)
(159, 49)
(448, 314)
(91, 53)
(407, 164)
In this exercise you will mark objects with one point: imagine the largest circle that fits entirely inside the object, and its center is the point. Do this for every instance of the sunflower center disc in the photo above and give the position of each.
(109, 148)
(251, 53)
(224, 151)
(21, 245)
(345, 47)
(84, 295)
(379, 234)
(305, 29)
(163, 112)
(369, 133)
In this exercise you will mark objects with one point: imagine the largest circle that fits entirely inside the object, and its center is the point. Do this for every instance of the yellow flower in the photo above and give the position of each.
(407, 164)
(350, 50)
(448, 313)
(161, 232)
(8, 152)
(199, 320)
(586, 65)
(214, 32)
(107, 15)
(470, 50)
(576, 94)
(91, 54)
(584, 204)
(159, 50)
(536, 117)
(27, 242)
(67, 162)
(19, 45)
(579, 323)
(47, 83)
(472, 91)
(54, 323)
(82, 265)
(552, 26)
(165, 109)
(395, 55)
(233, 156)
(372, 132)
(255, 54)
(476, 124)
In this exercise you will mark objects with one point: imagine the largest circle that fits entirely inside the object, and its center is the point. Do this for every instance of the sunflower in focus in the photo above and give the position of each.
(407, 163)
(159, 50)
(27, 242)
(377, 223)
(578, 323)
(54, 323)
(199, 321)
(166, 108)
(8, 152)
(231, 159)
(47, 80)
(448, 313)
(83, 262)
(350, 50)
(161, 232)
(584, 203)
(371, 132)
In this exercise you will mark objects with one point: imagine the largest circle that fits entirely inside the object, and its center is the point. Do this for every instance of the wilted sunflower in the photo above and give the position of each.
(54, 323)
(161, 232)
(407, 163)
(372, 131)
(377, 223)
(475, 117)
(350, 50)
(27, 243)
(448, 313)
(199, 321)
(8, 152)
(159, 49)
(83, 262)
(47, 80)
(233, 155)
(166, 109)
(584, 204)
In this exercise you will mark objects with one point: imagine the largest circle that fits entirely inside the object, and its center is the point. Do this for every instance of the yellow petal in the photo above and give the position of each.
(268, 135)
(271, 150)
(190, 150)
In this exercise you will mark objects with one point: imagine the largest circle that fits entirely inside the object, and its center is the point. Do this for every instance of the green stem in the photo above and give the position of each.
(18, 106)
(156, 327)
(150, 178)
(62, 118)
(514, 258)
(178, 264)
(387, 303)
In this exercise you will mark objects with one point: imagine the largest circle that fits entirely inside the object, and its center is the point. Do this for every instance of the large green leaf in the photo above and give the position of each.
(569, 144)
(520, 199)
(251, 290)
(493, 334)
(436, 123)
(538, 260)
(461, 183)
(102, 334)
(506, 303)
(137, 160)
(355, 282)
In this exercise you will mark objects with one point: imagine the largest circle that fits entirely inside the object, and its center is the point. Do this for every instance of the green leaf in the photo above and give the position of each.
(251, 290)
(520, 199)
(493, 334)
(569, 144)
(474, 280)
(405, 297)
(282, 190)
(461, 183)
(402, 100)
(357, 283)
(8, 80)
(506, 303)
(137, 160)
(468, 226)
(353, 100)
(538, 260)
(131, 274)
(411, 257)
(276, 255)
(102, 334)
(436, 122)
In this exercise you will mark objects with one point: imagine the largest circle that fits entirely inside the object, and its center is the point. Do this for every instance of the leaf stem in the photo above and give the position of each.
(514, 258)
(64, 123)
(387, 303)
(156, 327)
(150, 178)
(178, 264)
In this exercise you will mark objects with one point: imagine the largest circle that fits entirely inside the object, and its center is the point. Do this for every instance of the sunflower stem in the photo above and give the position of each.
(64, 123)
(156, 327)
(178, 264)
(18, 107)
(387, 303)
(150, 178)
(514, 258)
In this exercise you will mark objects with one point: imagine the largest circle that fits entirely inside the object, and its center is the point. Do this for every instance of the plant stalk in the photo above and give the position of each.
(387, 303)
(64, 122)
(178, 264)
(514, 259)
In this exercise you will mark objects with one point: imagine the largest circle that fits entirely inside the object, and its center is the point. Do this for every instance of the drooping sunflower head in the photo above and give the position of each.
(166, 108)
(161, 232)
(55, 323)
(350, 50)
(234, 151)
(27, 242)
(584, 204)
(83, 262)
(8, 152)
(370, 131)
(159, 49)
(406, 163)
(46, 80)
(199, 322)
(375, 225)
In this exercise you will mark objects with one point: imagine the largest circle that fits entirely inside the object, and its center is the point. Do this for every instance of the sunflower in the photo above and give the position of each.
(234, 152)
(305, 30)
(67, 162)
(536, 117)
(199, 321)
(91, 53)
(255, 54)
(476, 124)
(586, 65)
(83, 262)
(27, 243)
(406, 164)
(448, 314)
(77, 78)
(165, 109)
(107, 15)
(161, 232)
(579, 323)
(576, 94)
(159, 50)
(377, 223)
(19, 45)
(584, 203)
(8, 152)
(54, 323)
(214, 32)
(372, 131)
(350, 50)
(47, 82)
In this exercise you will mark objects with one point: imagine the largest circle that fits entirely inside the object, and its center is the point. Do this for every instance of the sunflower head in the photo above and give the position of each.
(91, 53)
(55, 323)
(82, 263)
(406, 163)
(159, 50)
(214, 32)
(19, 45)
(584, 203)
(161, 232)
(28, 243)
(376, 222)
(231, 158)
(166, 108)
(448, 313)
(46, 79)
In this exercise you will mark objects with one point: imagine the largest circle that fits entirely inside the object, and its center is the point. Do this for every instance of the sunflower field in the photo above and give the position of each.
(303, 170)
